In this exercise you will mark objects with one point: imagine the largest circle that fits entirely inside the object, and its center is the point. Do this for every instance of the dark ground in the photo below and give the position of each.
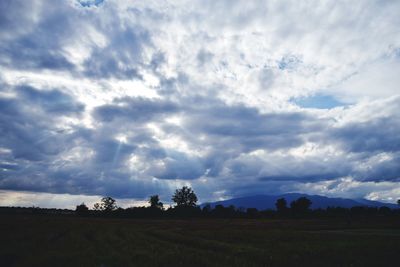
(32, 240)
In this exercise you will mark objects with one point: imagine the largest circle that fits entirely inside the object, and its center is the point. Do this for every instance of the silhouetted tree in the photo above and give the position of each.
(301, 205)
(82, 209)
(185, 197)
(107, 204)
(281, 205)
(155, 202)
(96, 206)
(398, 202)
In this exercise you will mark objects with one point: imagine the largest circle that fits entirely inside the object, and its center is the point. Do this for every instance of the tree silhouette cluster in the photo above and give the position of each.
(186, 206)
(185, 201)
(107, 204)
(298, 207)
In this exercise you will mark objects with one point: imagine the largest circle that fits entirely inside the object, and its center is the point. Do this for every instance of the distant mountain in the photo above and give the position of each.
(263, 202)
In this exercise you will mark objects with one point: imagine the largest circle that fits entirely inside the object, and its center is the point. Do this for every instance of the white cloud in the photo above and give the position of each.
(47, 200)
(202, 93)
(378, 80)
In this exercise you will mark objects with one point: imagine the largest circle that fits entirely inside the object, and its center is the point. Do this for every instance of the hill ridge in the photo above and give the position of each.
(263, 202)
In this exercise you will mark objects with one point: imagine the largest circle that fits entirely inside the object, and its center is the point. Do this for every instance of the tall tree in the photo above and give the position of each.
(281, 205)
(155, 202)
(184, 197)
(106, 204)
(301, 205)
(82, 209)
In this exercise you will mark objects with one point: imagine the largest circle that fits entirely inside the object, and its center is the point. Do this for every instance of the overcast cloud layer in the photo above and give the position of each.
(234, 98)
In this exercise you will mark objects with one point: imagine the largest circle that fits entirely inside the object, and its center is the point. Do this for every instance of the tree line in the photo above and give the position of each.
(185, 201)
(186, 206)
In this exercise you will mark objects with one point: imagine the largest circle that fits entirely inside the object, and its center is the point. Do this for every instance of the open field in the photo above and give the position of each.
(28, 240)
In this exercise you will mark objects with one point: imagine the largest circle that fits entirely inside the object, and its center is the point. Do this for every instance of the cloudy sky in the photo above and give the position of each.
(234, 98)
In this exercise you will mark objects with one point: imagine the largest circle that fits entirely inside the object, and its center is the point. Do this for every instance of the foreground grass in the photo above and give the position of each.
(68, 241)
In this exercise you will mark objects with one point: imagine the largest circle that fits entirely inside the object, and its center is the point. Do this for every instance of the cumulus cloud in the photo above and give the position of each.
(129, 98)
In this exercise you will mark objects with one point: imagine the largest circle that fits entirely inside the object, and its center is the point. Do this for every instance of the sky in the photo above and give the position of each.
(233, 98)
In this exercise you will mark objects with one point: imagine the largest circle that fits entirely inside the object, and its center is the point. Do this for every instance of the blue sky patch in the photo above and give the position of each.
(318, 101)
(89, 3)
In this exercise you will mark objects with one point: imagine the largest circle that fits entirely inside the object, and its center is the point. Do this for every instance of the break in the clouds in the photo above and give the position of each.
(132, 98)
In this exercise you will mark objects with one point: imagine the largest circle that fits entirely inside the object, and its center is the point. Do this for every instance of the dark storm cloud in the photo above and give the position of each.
(247, 126)
(32, 53)
(375, 135)
(374, 142)
(40, 152)
(10, 9)
(387, 170)
(109, 150)
(121, 58)
(175, 164)
(15, 18)
(318, 176)
(40, 43)
(243, 121)
(230, 130)
(52, 101)
(35, 44)
(37, 149)
(26, 122)
(6, 166)
(284, 168)
(180, 166)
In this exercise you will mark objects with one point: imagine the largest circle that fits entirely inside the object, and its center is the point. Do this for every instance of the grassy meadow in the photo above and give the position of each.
(29, 240)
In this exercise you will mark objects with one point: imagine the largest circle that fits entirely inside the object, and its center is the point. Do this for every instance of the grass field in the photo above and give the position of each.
(28, 240)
